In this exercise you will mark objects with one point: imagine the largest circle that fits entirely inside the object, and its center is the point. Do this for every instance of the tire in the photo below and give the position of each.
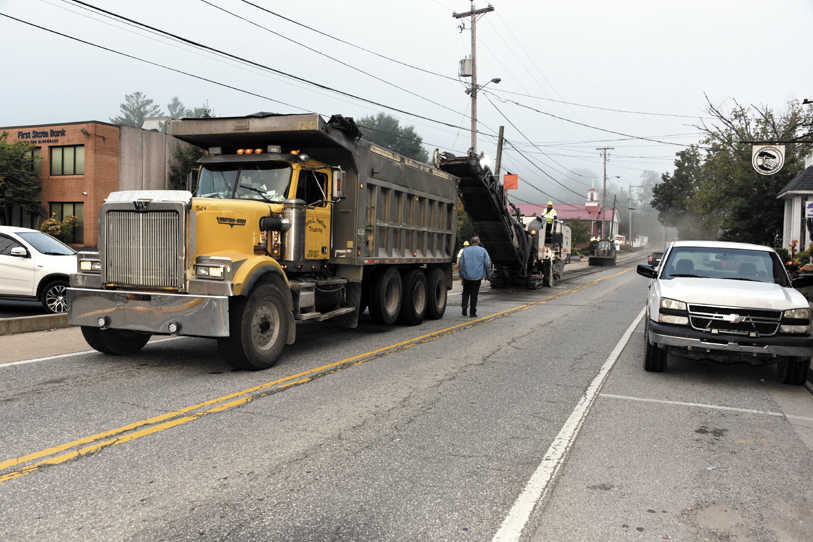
(436, 287)
(55, 297)
(385, 297)
(654, 357)
(258, 327)
(793, 371)
(414, 298)
(115, 342)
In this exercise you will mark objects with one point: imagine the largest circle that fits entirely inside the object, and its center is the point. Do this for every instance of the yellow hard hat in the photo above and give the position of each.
(550, 203)
(465, 243)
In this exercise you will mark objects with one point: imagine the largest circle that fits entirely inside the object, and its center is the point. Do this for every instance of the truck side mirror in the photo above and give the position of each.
(339, 189)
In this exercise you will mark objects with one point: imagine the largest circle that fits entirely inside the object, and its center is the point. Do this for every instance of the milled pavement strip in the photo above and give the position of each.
(251, 394)
(539, 484)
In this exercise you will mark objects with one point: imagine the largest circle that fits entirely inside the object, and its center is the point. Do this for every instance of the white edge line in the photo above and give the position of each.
(59, 356)
(539, 484)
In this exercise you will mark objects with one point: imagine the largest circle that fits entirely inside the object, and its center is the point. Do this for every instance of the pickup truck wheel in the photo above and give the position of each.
(385, 297)
(258, 328)
(793, 371)
(413, 298)
(654, 357)
(437, 294)
(117, 342)
(55, 297)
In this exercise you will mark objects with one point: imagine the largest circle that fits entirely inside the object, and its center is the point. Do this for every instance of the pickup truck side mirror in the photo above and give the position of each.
(647, 271)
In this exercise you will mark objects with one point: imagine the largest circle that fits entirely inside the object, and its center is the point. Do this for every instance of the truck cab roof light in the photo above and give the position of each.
(275, 149)
(215, 150)
(241, 151)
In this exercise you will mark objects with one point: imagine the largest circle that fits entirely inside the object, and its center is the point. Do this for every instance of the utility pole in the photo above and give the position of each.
(632, 239)
(498, 164)
(473, 14)
(604, 194)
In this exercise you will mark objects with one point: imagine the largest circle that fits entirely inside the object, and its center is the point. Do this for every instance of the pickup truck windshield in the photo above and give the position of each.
(268, 181)
(727, 264)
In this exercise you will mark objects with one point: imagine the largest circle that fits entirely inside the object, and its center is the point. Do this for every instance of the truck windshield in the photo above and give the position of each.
(266, 181)
(730, 264)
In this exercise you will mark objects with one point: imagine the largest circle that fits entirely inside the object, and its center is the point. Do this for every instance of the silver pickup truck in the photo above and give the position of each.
(730, 303)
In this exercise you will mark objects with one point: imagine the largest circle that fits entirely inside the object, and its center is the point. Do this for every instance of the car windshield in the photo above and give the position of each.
(45, 243)
(725, 263)
(264, 181)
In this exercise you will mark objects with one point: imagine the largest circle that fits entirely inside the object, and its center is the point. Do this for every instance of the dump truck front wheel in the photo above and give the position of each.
(258, 328)
(117, 342)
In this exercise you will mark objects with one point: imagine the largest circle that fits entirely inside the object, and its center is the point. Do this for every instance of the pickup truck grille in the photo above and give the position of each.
(142, 248)
(734, 320)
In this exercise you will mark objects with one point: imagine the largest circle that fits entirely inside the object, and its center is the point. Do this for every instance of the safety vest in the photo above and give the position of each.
(550, 215)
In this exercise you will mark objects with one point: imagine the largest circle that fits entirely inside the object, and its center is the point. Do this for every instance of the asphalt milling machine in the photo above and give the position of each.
(525, 251)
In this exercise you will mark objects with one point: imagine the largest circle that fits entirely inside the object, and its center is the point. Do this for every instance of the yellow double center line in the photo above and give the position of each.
(88, 445)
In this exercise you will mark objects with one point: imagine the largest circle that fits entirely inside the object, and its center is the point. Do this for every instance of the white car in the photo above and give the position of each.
(730, 303)
(35, 267)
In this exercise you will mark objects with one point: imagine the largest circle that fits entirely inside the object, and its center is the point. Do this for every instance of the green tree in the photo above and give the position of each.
(177, 110)
(580, 233)
(386, 130)
(186, 158)
(465, 229)
(135, 109)
(19, 185)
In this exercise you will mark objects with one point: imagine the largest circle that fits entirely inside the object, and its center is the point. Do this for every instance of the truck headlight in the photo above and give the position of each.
(797, 314)
(209, 271)
(673, 319)
(90, 266)
(671, 304)
(801, 330)
(796, 321)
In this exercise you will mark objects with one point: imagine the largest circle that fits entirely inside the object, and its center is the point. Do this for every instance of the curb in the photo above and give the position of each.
(27, 324)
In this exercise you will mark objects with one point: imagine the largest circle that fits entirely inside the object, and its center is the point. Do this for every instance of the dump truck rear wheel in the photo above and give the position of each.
(258, 327)
(385, 297)
(437, 294)
(116, 342)
(413, 298)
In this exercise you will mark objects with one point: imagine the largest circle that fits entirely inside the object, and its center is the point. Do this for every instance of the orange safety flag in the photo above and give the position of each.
(510, 182)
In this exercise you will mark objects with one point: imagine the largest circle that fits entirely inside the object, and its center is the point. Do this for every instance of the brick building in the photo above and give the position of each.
(80, 163)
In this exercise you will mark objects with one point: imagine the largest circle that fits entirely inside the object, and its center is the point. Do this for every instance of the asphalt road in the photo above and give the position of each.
(533, 421)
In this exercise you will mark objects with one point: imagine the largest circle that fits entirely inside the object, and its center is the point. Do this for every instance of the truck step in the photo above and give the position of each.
(321, 317)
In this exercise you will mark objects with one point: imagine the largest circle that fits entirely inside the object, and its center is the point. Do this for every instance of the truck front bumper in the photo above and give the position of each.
(686, 337)
(149, 312)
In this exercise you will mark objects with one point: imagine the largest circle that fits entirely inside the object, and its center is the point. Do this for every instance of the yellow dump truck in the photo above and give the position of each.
(294, 218)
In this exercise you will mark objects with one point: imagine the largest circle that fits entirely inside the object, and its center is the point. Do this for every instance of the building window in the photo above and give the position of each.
(61, 210)
(68, 160)
(22, 219)
(36, 155)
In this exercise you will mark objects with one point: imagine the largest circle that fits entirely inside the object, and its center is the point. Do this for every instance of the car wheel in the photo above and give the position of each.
(793, 371)
(654, 357)
(55, 297)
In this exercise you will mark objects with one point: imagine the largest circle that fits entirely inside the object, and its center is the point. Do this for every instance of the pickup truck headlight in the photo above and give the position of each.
(673, 312)
(796, 321)
(671, 304)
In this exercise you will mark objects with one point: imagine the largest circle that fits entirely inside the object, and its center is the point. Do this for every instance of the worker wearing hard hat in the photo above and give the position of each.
(465, 244)
(550, 213)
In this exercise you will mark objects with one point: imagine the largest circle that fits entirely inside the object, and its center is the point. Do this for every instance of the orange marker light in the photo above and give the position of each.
(241, 151)
(249, 151)
(257, 151)
(295, 153)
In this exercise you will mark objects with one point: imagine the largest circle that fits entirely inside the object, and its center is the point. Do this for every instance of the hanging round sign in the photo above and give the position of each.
(767, 159)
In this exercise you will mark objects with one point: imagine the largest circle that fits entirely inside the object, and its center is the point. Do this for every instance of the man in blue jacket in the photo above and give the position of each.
(474, 265)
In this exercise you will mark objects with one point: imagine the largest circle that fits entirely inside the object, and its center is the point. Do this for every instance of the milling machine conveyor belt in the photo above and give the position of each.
(488, 215)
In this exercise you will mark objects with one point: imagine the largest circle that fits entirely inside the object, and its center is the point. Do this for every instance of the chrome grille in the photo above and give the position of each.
(736, 321)
(142, 249)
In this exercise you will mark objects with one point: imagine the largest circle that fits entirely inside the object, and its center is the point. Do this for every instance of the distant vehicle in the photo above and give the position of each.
(35, 267)
(729, 303)
(655, 259)
(604, 253)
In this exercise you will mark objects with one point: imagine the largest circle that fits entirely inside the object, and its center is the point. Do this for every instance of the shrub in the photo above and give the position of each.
(60, 230)
(802, 258)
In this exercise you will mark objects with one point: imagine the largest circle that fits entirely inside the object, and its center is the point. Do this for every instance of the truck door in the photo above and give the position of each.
(313, 187)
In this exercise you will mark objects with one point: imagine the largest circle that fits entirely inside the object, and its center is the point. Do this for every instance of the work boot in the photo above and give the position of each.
(474, 315)
(464, 311)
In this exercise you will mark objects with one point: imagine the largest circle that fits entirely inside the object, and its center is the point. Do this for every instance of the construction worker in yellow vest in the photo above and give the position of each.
(550, 213)
(465, 244)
